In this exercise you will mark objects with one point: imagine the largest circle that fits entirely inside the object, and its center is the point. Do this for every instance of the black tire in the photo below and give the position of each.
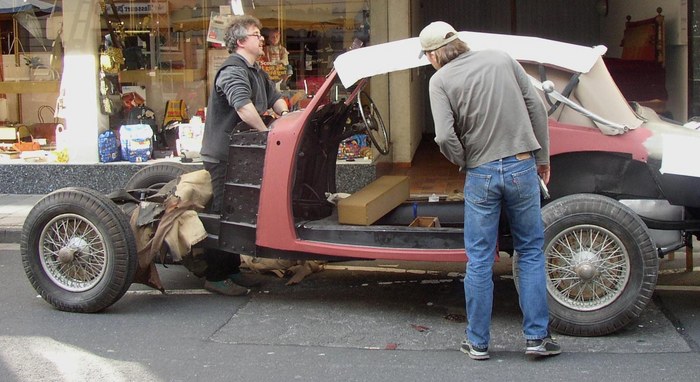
(78, 250)
(601, 263)
(155, 176)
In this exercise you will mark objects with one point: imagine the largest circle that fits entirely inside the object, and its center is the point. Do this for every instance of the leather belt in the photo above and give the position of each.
(523, 156)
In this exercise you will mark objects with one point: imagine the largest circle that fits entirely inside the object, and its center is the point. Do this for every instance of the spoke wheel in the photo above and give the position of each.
(374, 125)
(601, 264)
(588, 267)
(73, 253)
(78, 250)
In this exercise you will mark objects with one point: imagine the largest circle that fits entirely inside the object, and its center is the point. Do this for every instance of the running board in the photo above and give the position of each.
(384, 236)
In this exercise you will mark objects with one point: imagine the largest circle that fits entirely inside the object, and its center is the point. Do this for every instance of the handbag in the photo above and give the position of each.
(54, 23)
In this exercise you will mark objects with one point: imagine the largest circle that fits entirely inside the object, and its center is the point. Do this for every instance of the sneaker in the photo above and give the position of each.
(225, 287)
(474, 352)
(244, 279)
(544, 347)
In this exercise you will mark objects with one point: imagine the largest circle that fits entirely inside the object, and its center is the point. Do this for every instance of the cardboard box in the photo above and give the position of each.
(425, 222)
(8, 134)
(373, 201)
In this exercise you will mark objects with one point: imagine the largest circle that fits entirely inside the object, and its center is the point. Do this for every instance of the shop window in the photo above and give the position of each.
(167, 57)
(163, 48)
(313, 35)
(30, 69)
(154, 53)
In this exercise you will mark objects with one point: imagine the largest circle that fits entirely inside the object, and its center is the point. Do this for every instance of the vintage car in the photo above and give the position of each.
(624, 192)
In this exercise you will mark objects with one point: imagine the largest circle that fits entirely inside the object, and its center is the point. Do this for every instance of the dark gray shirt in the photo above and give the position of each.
(485, 109)
(234, 83)
(237, 84)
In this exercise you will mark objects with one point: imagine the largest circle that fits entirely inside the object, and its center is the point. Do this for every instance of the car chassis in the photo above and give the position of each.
(613, 211)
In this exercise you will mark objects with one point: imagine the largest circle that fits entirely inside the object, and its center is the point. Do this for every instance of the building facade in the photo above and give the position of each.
(84, 64)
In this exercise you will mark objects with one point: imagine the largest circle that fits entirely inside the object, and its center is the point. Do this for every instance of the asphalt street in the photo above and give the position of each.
(345, 323)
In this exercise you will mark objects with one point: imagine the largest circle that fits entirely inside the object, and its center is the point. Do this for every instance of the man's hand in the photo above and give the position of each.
(543, 172)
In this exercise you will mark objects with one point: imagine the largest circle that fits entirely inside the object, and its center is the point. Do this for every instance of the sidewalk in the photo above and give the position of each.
(13, 210)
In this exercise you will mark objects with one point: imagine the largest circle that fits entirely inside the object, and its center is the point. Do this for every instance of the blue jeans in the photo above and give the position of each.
(510, 184)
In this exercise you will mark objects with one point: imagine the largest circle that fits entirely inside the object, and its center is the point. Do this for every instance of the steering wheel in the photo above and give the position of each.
(374, 125)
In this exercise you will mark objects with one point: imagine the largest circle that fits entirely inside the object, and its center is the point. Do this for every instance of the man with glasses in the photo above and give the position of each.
(242, 92)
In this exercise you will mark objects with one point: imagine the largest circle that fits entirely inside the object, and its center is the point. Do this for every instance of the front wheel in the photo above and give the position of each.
(78, 250)
(601, 264)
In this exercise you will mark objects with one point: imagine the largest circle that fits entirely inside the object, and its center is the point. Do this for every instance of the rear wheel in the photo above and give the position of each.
(78, 250)
(601, 264)
(153, 177)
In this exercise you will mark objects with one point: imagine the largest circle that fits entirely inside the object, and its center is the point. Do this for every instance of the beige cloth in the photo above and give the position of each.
(195, 187)
(187, 230)
(179, 226)
(299, 269)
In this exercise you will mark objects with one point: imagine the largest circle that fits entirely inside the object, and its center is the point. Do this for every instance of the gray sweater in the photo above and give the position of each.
(485, 109)
(237, 83)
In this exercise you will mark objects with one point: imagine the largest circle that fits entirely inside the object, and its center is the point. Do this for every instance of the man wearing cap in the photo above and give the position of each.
(490, 122)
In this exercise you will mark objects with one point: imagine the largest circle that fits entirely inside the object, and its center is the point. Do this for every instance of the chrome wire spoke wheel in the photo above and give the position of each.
(601, 264)
(588, 267)
(73, 253)
(78, 250)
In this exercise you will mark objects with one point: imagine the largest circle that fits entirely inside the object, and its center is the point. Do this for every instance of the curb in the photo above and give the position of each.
(14, 209)
(11, 235)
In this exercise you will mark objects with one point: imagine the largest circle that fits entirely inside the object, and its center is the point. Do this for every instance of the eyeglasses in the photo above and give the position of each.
(259, 36)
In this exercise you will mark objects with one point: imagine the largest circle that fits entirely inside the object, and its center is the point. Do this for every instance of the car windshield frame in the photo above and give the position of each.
(404, 54)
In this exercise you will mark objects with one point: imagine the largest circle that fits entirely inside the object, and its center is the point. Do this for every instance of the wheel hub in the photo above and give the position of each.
(67, 254)
(584, 266)
(585, 271)
(73, 248)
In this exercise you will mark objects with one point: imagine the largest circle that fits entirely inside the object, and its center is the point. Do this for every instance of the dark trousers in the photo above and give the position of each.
(217, 171)
(219, 264)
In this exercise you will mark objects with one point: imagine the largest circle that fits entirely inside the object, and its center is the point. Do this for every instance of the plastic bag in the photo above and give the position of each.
(137, 142)
(108, 147)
